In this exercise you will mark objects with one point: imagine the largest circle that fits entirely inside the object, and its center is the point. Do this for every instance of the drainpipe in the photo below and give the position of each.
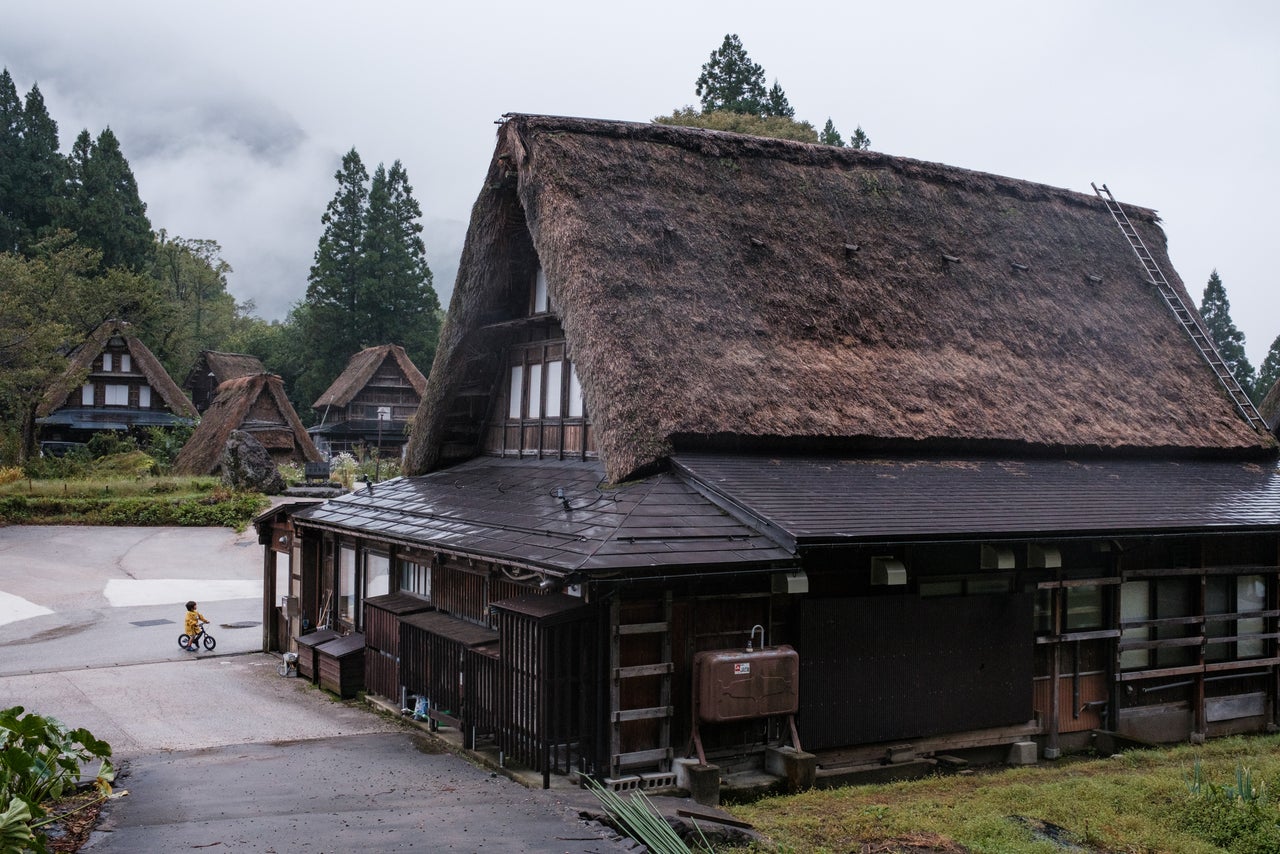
(1051, 750)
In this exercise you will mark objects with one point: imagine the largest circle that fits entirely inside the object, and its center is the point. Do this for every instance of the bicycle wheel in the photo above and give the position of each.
(209, 642)
(184, 641)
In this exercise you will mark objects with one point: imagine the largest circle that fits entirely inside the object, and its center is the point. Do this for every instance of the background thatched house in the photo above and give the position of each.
(257, 405)
(371, 403)
(112, 382)
(212, 369)
(933, 432)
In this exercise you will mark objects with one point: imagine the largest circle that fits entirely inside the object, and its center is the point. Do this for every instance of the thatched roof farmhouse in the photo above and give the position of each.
(258, 405)
(112, 382)
(212, 369)
(372, 400)
(896, 457)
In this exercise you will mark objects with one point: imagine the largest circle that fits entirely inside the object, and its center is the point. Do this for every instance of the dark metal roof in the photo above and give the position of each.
(811, 500)
(510, 510)
(467, 634)
(112, 419)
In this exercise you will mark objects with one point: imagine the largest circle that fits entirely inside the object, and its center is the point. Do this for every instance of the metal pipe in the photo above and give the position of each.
(752, 636)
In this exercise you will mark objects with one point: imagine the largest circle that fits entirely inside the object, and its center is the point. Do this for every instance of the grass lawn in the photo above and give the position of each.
(1180, 800)
(119, 491)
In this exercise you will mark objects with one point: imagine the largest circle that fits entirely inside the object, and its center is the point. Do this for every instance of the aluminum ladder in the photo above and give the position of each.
(1184, 315)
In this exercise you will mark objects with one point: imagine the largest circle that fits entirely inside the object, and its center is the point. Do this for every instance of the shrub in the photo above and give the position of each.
(291, 472)
(75, 464)
(164, 443)
(107, 443)
(40, 761)
(8, 474)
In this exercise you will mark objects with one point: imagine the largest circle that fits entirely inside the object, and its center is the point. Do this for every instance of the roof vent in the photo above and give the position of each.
(888, 571)
(757, 242)
(996, 557)
(1020, 268)
(1095, 278)
(1043, 557)
(950, 259)
(850, 249)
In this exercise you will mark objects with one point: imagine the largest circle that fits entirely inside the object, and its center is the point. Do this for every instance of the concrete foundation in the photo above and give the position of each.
(798, 768)
(1022, 753)
(701, 781)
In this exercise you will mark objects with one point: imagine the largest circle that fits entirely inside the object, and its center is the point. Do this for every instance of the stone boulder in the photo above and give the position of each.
(246, 465)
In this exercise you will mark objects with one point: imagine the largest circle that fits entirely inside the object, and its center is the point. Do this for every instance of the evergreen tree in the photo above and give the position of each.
(777, 104)
(42, 170)
(370, 284)
(103, 206)
(401, 306)
(731, 81)
(10, 156)
(1269, 373)
(859, 141)
(830, 136)
(333, 299)
(1215, 308)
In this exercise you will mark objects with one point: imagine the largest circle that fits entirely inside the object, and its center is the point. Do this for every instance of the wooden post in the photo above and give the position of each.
(1052, 751)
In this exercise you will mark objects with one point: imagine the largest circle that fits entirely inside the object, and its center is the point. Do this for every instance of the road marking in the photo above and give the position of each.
(121, 592)
(15, 608)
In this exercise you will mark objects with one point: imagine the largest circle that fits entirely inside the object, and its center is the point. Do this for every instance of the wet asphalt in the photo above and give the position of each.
(217, 750)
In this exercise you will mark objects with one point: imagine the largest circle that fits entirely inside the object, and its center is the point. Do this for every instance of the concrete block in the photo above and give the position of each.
(702, 781)
(798, 768)
(1022, 753)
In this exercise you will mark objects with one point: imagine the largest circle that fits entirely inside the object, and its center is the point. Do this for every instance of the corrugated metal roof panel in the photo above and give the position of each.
(816, 499)
(514, 510)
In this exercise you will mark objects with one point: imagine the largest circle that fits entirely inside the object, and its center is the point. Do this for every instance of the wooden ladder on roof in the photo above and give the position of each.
(1184, 315)
(656, 759)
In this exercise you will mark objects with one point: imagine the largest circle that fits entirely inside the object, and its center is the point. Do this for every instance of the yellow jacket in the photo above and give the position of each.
(194, 619)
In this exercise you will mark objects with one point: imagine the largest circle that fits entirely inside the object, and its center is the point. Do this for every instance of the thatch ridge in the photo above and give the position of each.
(228, 366)
(81, 360)
(227, 413)
(728, 287)
(360, 369)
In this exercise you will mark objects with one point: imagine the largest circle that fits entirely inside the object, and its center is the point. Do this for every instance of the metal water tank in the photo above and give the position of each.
(735, 685)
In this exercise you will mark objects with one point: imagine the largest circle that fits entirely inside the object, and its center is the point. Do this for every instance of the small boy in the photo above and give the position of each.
(194, 621)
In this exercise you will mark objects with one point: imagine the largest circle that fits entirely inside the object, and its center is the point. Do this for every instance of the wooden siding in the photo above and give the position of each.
(1079, 702)
(546, 658)
(890, 667)
(341, 665)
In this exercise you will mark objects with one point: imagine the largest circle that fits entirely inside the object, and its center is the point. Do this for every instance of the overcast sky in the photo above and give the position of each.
(234, 115)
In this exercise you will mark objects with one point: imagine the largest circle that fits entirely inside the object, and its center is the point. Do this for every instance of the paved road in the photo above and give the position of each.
(217, 749)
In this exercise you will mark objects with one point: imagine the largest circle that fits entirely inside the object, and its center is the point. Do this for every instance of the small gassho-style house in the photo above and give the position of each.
(113, 383)
(212, 369)
(371, 403)
(257, 405)
(744, 452)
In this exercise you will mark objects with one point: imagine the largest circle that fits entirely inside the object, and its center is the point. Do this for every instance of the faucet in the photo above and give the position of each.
(752, 636)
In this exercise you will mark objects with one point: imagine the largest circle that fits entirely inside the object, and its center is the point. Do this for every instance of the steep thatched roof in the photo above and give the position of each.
(361, 368)
(723, 288)
(81, 360)
(254, 403)
(224, 366)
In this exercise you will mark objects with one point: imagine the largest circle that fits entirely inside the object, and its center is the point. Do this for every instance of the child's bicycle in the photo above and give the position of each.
(201, 636)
